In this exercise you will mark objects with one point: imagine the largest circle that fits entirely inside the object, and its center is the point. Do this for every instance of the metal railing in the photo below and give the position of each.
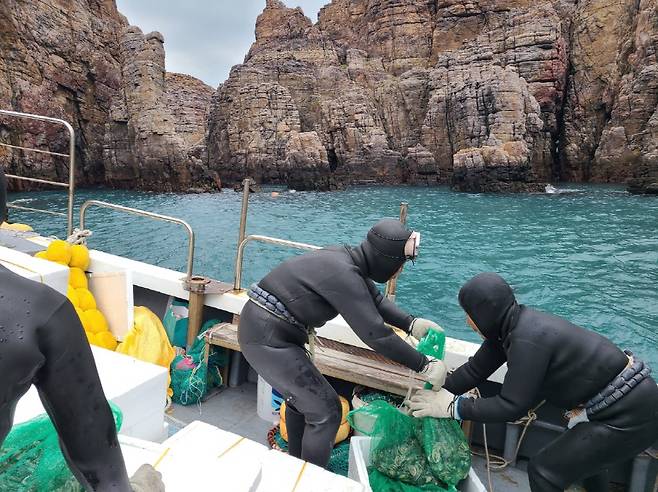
(152, 215)
(71, 155)
(264, 239)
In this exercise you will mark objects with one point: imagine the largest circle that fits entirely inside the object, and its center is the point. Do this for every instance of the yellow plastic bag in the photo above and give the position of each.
(148, 341)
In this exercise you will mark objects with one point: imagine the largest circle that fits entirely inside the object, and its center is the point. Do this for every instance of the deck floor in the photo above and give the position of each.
(234, 410)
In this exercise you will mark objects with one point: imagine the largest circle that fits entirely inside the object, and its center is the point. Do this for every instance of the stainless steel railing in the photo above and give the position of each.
(264, 239)
(143, 213)
(71, 155)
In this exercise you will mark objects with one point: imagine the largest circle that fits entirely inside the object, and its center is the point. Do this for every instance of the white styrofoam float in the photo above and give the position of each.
(138, 388)
(45, 272)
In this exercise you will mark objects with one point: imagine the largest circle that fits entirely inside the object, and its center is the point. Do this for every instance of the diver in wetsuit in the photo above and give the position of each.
(43, 343)
(610, 399)
(309, 290)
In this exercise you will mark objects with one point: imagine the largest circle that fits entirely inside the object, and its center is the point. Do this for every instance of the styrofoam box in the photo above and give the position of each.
(138, 388)
(360, 460)
(204, 457)
(283, 472)
(45, 272)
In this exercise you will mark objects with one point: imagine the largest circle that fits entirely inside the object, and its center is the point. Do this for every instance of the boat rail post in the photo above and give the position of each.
(392, 284)
(196, 286)
(242, 232)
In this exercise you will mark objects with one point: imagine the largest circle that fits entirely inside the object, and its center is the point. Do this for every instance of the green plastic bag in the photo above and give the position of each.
(32, 461)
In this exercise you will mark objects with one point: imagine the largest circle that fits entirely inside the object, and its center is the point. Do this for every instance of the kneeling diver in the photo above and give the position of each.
(305, 292)
(43, 343)
(611, 400)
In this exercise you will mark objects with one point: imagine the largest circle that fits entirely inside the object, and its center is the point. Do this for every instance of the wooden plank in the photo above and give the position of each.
(342, 361)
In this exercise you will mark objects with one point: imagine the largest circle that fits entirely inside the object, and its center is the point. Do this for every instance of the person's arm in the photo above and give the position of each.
(489, 357)
(349, 294)
(389, 311)
(71, 392)
(526, 368)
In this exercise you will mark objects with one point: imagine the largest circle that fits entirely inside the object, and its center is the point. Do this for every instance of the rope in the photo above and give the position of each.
(501, 463)
(79, 236)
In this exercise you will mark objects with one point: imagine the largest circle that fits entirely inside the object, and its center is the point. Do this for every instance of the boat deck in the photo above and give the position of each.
(234, 410)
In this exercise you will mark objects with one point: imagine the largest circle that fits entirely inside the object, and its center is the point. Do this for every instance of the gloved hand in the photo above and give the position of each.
(147, 479)
(434, 373)
(420, 327)
(428, 403)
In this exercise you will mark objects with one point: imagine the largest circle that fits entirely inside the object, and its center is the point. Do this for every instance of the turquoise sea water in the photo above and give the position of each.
(590, 256)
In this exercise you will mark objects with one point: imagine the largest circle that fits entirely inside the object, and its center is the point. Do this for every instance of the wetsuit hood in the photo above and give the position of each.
(3, 197)
(491, 304)
(381, 254)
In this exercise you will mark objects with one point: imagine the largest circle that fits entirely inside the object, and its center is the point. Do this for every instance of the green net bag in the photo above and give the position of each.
(446, 448)
(395, 450)
(32, 461)
(191, 376)
(411, 454)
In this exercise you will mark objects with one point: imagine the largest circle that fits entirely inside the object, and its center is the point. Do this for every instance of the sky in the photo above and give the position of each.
(205, 38)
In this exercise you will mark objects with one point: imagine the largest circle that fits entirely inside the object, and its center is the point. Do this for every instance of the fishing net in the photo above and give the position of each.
(428, 453)
(338, 461)
(32, 461)
(191, 376)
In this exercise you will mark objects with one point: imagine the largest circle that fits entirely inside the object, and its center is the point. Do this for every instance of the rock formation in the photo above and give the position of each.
(500, 95)
(136, 127)
(488, 95)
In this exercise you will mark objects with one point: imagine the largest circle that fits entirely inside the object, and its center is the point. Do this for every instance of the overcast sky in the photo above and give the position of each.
(204, 38)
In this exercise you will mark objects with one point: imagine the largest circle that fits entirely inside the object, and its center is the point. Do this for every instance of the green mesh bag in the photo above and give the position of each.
(381, 483)
(425, 454)
(445, 447)
(32, 461)
(191, 376)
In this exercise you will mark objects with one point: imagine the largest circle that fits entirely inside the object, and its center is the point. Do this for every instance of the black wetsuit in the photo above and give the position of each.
(315, 287)
(549, 358)
(43, 343)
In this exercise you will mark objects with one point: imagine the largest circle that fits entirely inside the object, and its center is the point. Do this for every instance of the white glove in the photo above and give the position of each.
(434, 373)
(147, 479)
(428, 403)
(420, 327)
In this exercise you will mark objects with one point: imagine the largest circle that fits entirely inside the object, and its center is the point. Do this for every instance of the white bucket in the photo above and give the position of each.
(269, 403)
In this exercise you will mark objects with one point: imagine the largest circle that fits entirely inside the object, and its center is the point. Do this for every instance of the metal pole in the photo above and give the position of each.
(392, 284)
(264, 239)
(71, 156)
(197, 288)
(71, 178)
(143, 213)
(242, 231)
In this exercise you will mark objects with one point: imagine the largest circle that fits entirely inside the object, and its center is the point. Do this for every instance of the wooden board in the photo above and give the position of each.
(339, 360)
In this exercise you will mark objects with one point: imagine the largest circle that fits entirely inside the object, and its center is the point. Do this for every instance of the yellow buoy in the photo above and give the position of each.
(106, 340)
(77, 278)
(73, 296)
(91, 338)
(59, 251)
(86, 299)
(79, 256)
(94, 321)
(16, 227)
(343, 430)
(41, 254)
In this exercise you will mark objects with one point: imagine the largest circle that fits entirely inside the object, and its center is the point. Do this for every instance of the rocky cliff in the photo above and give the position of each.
(79, 60)
(490, 95)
